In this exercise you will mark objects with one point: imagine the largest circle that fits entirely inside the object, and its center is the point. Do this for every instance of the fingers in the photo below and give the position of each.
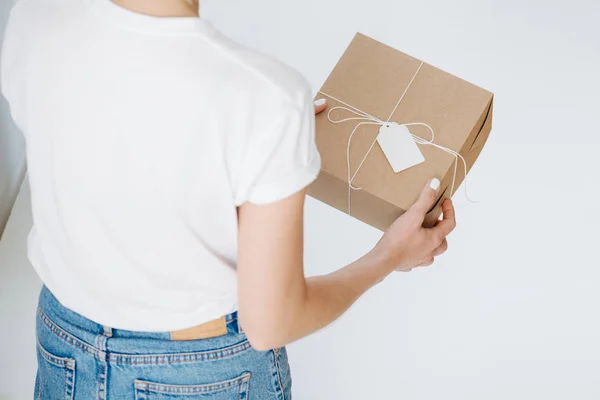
(441, 248)
(446, 225)
(437, 252)
(448, 210)
(320, 105)
(426, 199)
(427, 262)
(431, 259)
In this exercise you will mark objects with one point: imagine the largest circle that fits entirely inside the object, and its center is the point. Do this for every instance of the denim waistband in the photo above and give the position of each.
(59, 318)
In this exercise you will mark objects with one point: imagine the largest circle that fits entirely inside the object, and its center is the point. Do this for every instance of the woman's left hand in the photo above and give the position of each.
(320, 105)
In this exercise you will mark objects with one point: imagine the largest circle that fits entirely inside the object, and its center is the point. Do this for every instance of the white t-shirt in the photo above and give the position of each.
(143, 136)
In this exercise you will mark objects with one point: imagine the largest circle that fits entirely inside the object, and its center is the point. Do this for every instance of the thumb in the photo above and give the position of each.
(427, 198)
(320, 105)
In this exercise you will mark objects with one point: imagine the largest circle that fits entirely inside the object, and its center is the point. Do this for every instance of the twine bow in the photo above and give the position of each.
(368, 119)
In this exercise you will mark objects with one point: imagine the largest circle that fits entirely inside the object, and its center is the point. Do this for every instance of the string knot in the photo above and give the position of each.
(364, 118)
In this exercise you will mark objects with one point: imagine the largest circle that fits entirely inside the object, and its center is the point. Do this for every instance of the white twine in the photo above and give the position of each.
(368, 119)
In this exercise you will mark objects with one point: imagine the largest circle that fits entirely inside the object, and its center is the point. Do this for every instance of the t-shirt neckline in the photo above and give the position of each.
(146, 23)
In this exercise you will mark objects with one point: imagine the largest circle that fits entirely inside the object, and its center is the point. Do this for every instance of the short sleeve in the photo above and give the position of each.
(283, 159)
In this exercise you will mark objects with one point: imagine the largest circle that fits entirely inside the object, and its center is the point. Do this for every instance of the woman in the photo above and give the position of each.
(168, 168)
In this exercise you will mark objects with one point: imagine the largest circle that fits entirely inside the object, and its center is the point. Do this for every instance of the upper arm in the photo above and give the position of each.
(270, 264)
(279, 160)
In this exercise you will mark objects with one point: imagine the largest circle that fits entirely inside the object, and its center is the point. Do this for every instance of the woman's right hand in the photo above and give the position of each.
(407, 244)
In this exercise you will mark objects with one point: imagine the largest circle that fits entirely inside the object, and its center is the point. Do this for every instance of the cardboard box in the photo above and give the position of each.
(372, 77)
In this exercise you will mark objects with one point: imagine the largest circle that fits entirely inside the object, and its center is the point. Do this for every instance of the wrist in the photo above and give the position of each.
(380, 261)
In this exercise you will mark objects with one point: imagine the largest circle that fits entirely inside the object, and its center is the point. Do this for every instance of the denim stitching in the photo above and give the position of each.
(161, 359)
(102, 378)
(62, 334)
(66, 386)
(244, 388)
(60, 362)
(190, 389)
(140, 394)
(70, 386)
(102, 367)
(277, 373)
(144, 359)
(68, 364)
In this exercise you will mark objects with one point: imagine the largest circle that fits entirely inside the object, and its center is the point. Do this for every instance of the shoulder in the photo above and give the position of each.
(261, 75)
(30, 17)
(32, 8)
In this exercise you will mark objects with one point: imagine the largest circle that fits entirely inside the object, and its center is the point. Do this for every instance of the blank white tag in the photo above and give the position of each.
(399, 147)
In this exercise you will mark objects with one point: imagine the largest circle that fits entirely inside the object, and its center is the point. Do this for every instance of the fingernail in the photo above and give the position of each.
(320, 102)
(435, 184)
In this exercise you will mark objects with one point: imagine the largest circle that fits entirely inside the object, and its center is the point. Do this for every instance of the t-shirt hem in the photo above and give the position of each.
(155, 323)
(272, 193)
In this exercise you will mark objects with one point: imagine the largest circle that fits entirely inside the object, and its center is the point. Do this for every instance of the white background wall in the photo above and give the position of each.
(511, 312)
(12, 151)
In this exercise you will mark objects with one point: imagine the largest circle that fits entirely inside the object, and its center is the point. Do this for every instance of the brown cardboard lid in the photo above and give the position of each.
(372, 77)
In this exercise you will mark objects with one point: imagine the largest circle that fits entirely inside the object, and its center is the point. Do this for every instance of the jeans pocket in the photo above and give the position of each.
(55, 377)
(233, 389)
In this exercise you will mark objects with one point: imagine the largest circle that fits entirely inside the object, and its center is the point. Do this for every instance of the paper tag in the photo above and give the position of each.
(399, 147)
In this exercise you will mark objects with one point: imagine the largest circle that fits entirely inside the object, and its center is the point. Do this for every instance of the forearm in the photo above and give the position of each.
(327, 297)
(279, 305)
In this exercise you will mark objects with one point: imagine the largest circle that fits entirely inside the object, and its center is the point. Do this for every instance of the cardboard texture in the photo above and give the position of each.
(372, 77)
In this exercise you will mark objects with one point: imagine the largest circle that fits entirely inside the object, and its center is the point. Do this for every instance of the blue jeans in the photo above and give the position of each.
(80, 359)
